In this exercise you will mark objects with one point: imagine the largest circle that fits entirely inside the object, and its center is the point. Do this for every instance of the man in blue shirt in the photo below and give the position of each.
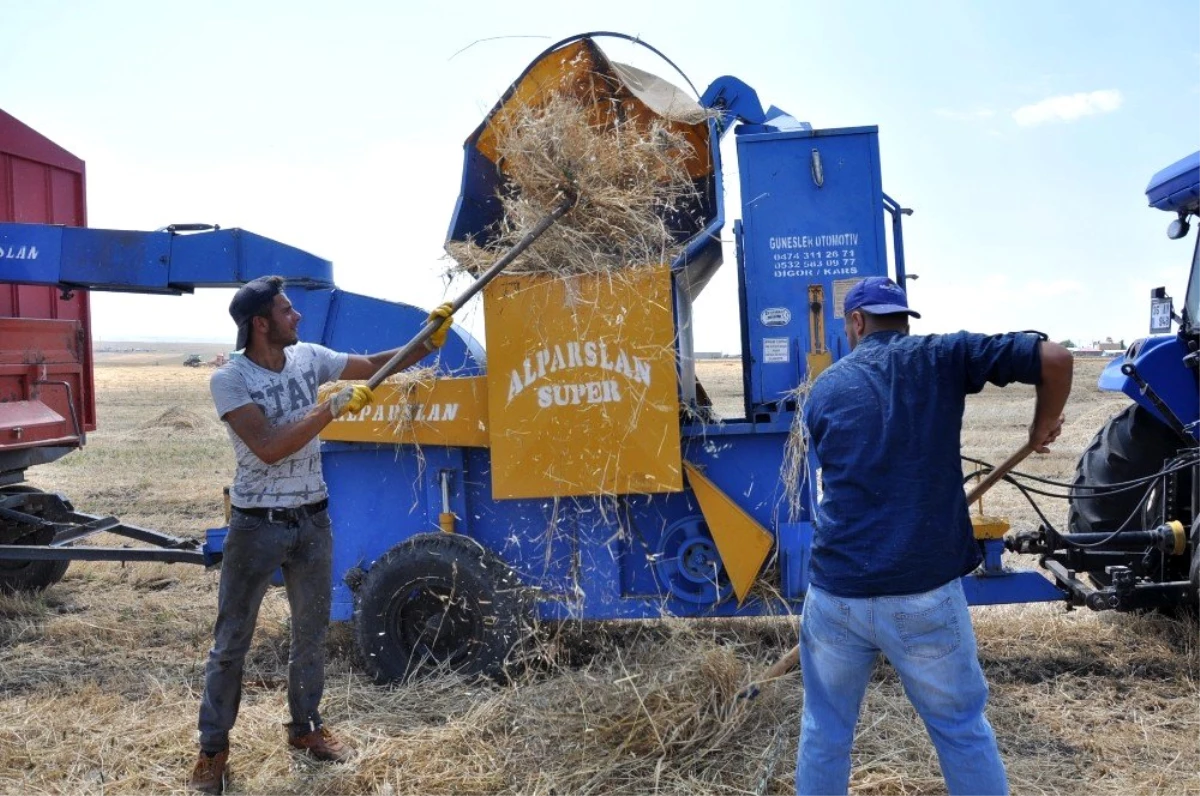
(893, 537)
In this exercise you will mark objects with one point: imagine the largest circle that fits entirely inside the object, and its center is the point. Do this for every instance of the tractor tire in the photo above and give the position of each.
(29, 576)
(439, 603)
(1132, 444)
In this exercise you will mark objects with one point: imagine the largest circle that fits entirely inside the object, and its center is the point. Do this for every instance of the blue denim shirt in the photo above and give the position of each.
(884, 424)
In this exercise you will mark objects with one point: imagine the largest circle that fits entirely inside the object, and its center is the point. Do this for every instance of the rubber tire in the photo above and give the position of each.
(1131, 445)
(393, 610)
(30, 576)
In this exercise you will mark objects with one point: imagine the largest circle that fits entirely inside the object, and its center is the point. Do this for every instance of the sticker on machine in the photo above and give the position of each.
(775, 349)
(840, 288)
(775, 316)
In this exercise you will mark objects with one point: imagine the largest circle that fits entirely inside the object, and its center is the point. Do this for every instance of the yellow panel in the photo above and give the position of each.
(443, 412)
(741, 541)
(582, 390)
(581, 70)
(556, 72)
(989, 527)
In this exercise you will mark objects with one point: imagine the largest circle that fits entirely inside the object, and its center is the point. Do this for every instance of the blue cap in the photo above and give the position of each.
(877, 295)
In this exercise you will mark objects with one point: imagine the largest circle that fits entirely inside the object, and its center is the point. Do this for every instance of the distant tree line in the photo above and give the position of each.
(1071, 343)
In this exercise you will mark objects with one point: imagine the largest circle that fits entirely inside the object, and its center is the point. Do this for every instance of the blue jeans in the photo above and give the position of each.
(929, 640)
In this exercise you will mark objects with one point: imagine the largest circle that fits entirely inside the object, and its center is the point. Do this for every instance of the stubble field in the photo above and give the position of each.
(100, 676)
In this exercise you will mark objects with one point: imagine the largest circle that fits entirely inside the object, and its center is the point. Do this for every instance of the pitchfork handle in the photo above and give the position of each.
(789, 661)
(992, 478)
(560, 209)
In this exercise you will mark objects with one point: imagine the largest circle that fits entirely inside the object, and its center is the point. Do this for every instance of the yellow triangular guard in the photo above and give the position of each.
(741, 541)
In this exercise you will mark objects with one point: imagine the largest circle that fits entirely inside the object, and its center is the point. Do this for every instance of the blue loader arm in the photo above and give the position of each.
(164, 262)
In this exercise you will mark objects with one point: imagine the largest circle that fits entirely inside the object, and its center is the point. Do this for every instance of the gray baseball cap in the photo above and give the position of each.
(252, 299)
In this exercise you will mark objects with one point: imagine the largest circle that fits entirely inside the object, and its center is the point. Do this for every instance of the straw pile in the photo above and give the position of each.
(629, 178)
(178, 419)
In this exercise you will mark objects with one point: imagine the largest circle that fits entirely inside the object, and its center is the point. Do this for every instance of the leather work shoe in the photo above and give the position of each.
(209, 774)
(321, 744)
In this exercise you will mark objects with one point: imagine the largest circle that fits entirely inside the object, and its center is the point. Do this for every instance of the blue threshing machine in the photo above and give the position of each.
(717, 541)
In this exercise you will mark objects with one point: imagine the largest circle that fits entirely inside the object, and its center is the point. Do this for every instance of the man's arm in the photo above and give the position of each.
(272, 444)
(1052, 393)
(364, 367)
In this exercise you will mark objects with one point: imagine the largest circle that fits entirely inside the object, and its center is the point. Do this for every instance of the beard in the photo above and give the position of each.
(281, 335)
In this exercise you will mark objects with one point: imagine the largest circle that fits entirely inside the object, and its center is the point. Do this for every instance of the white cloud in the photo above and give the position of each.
(965, 116)
(1068, 107)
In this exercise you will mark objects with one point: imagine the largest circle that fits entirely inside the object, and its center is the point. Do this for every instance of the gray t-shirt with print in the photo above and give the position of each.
(284, 397)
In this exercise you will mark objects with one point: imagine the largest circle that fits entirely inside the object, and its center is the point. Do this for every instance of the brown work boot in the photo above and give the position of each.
(209, 774)
(321, 744)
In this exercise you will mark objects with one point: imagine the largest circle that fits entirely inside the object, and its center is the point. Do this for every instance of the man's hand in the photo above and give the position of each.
(1041, 437)
(350, 399)
(365, 367)
(438, 338)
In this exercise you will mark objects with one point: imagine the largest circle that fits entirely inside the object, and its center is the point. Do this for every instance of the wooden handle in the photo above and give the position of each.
(992, 478)
(792, 658)
(560, 209)
(776, 670)
(783, 665)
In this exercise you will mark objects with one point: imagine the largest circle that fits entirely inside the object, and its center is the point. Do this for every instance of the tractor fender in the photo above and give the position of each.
(1159, 361)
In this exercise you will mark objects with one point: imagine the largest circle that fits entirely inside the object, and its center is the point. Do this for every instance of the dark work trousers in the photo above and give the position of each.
(254, 548)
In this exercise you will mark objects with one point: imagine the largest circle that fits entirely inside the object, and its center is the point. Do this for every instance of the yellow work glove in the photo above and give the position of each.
(438, 338)
(350, 399)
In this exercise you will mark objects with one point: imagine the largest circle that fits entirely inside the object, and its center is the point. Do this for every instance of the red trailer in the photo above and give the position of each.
(47, 400)
(47, 392)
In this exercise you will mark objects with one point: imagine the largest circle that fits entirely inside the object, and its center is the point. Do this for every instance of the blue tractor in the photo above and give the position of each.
(1134, 518)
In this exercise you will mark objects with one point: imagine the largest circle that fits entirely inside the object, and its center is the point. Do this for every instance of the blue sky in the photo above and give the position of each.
(1022, 133)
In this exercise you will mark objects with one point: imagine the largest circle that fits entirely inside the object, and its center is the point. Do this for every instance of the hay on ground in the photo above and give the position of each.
(100, 676)
(177, 418)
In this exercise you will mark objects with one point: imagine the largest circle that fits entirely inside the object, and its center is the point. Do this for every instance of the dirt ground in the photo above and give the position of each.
(100, 676)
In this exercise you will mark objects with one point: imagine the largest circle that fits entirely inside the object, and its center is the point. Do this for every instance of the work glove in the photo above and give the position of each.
(350, 399)
(438, 338)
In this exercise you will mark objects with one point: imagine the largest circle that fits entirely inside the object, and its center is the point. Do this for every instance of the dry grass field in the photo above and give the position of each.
(100, 676)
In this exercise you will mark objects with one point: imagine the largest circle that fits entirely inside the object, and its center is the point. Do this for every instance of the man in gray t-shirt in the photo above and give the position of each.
(284, 397)
(268, 399)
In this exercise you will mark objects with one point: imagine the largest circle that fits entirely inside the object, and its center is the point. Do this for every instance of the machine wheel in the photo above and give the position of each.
(1131, 445)
(439, 601)
(28, 576)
